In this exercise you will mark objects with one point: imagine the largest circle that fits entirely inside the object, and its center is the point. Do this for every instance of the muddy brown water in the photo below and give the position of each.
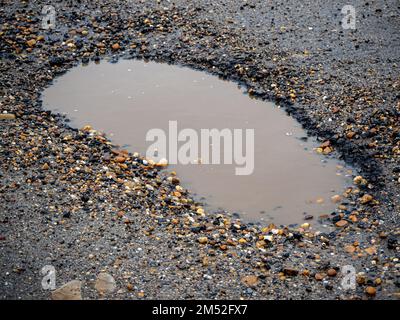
(127, 99)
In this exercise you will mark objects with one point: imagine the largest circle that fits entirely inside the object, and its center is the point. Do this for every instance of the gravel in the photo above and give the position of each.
(69, 201)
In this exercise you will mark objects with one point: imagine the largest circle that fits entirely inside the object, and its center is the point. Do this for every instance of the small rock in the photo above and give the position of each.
(319, 276)
(306, 273)
(162, 163)
(87, 128)
(119, 159)
(7, 116)
(69, 291)
(336, 198)
(200, 211)
(350, 249)
(359, 180)
(371, 250)
(332, 272)
(366, 199)
(173, 180)
(269, 238)
(56, 61)
(115, 46)
(250, 281)
(202, 240)
(335, 110)
(392, 242)
(360, 279)
(290, 272)
(371, 291)
(105, 283)
(341, 223)
(350, 134)
(382, 235)
(31, 42)
(326, 144)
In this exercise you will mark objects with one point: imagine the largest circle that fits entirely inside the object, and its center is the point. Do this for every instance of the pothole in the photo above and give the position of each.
(126, 100)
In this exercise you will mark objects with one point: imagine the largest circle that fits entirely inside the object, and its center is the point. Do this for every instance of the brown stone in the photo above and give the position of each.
(332, 272)
(260, 244)
(353, 218)
(341, 223)
(69, 291)
(371, 291)
(306, 273)
(360, 279)
(119, 159)
(105, 283)
(31, 42)
(371, 250)
(366, 199)
(359, 180)
(350, 134)
(250, 281)
(87, 128)
(328, 150)
(326, 144)
(290, 272)
(319, 276)
(382, 235)
(350, 249)
(202, 240)
(7, 116)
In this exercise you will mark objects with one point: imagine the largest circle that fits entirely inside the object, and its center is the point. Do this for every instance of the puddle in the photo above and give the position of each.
(127, 99)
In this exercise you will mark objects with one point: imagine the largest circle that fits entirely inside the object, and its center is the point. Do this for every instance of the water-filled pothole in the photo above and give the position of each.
(127, 99)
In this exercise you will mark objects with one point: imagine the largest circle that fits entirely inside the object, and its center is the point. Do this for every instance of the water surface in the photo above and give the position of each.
(128, 98)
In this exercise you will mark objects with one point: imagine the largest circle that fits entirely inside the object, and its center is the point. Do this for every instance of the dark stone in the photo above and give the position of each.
(67, 215)
(56, 61)
(391, 242)
(290, 272)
